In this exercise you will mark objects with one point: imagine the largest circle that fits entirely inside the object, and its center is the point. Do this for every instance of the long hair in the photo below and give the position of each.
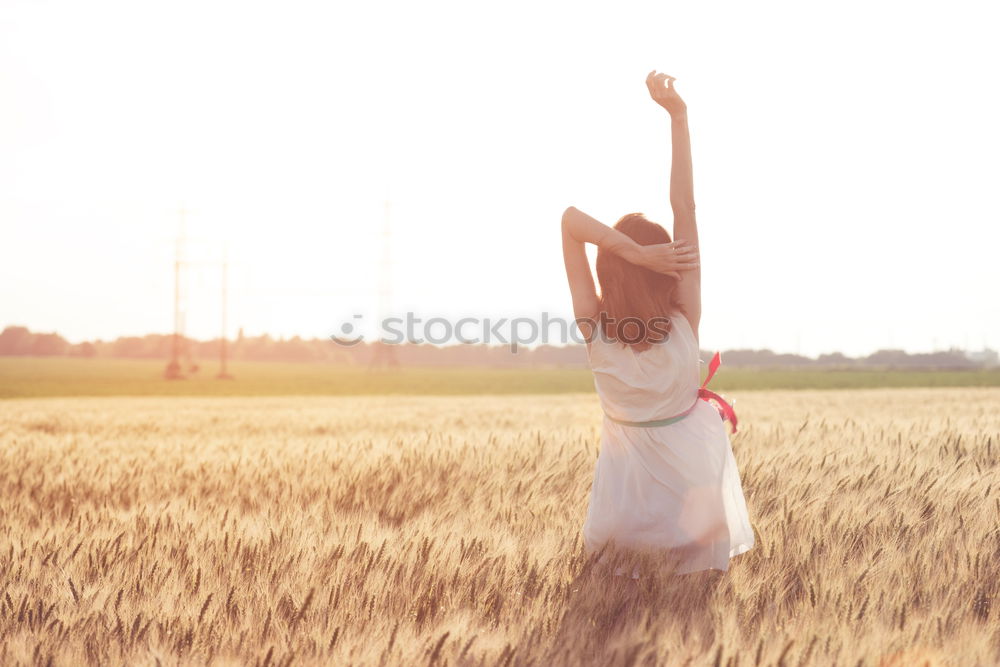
(635, 302)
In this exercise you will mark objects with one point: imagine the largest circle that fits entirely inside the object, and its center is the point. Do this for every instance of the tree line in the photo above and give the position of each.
(20, 341)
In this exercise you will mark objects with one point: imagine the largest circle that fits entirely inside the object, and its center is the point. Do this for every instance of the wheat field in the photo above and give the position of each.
(446, 530)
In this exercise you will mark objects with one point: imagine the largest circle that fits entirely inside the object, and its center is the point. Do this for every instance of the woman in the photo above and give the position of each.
(666, 480)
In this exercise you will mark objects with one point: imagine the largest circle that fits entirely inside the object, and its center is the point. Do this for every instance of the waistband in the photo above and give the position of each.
(656, 422)
(726, 411)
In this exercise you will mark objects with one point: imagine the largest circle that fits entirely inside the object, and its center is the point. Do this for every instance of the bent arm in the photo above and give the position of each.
(682, 203)
(584, 229)
(578, 229)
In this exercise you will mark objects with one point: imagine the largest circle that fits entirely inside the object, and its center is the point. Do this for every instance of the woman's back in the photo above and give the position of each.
(658, 382)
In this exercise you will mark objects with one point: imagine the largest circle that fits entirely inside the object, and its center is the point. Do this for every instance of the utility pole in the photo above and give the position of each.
(223, 374)
(173, 370)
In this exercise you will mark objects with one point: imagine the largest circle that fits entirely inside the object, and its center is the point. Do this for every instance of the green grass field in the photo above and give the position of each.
(54, 376)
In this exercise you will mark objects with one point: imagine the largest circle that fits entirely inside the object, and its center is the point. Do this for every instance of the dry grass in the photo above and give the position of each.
(447, 530)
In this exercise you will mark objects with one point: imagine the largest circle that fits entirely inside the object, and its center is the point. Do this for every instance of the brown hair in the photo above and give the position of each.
(635, 301)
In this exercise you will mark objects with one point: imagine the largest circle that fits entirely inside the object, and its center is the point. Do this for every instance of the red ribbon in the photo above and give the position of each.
(726, 411)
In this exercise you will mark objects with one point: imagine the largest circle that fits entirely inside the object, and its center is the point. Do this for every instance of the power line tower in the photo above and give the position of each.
(384, 353)
(180, 347)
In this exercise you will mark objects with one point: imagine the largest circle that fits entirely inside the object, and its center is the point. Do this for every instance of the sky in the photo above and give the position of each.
(845, 163)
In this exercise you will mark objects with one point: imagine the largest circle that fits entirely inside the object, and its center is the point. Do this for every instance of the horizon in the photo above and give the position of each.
(820, 179)
(497, 345)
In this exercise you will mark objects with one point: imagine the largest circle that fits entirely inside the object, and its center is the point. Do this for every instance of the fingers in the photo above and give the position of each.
(659, 81)
(687, 265)
(650, 81)
(654, 81)
(677, 267)
(683, 247)
(660, 87)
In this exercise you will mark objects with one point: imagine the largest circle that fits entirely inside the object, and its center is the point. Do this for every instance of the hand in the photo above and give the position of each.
(668, 258)
(664, 93)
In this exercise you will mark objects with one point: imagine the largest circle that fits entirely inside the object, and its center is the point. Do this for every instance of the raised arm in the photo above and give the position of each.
(661, 88)
(578, 229)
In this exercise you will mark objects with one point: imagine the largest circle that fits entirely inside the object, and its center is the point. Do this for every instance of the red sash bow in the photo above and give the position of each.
(726, 411)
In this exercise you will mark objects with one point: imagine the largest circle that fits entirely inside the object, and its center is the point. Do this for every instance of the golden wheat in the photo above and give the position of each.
(442, 530)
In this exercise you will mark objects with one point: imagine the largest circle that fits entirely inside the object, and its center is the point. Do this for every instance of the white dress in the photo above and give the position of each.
(674, 486)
